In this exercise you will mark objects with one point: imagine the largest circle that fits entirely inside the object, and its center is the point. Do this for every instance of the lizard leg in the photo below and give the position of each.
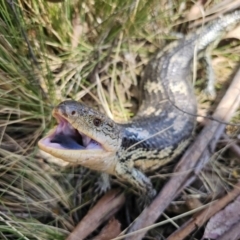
(103, 184)
(125, 172)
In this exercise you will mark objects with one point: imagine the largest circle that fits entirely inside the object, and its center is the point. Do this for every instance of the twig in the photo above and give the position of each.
(105, 208)
(199, 152)
(110, 231)
(214, 12)
(197, 221)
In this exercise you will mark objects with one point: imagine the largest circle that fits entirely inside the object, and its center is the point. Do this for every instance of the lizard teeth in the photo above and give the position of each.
(85, 139)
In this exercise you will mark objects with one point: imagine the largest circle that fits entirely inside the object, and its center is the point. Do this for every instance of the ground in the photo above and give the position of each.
(93, 51)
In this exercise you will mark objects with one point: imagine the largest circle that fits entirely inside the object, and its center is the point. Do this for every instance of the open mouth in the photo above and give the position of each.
(64, 136)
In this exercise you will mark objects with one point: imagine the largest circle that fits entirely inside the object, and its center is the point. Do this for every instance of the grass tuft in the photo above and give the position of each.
(91, 51)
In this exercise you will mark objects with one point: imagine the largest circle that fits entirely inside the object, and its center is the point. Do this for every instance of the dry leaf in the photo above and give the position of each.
(110, 231)
(235, 33)
(196, 10)
(223, 220)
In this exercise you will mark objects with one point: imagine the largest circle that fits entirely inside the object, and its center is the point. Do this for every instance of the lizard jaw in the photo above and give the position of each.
(64, 136)
(68, 144)
(73, 141)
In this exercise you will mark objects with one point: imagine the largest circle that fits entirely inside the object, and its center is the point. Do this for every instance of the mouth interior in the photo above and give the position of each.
(67, 137)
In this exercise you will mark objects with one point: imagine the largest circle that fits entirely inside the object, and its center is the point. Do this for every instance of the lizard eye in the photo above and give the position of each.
(97, 122)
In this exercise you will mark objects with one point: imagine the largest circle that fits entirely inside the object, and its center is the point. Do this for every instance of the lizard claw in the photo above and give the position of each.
(103, 184)
(146, 199)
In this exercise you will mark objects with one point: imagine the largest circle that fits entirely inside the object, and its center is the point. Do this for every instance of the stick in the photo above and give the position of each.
(105, 208)
(197, 221)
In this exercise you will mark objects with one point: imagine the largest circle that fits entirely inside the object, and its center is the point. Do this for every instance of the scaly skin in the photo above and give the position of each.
(163, 125)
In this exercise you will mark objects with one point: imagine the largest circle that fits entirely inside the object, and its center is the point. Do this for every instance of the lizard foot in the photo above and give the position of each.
(103, 184)
(146, 198)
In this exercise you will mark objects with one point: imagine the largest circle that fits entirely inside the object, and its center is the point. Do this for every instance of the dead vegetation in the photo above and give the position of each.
(95, 51)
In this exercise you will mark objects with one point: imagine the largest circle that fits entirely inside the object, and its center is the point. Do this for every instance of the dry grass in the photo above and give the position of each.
(88, 51)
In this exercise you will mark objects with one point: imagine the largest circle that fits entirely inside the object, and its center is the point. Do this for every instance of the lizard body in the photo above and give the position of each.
(159, 132)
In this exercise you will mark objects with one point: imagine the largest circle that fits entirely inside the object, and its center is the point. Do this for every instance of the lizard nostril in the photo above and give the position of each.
(73, 113)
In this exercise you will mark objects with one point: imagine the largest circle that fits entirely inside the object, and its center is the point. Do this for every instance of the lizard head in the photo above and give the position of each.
(82, 135)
